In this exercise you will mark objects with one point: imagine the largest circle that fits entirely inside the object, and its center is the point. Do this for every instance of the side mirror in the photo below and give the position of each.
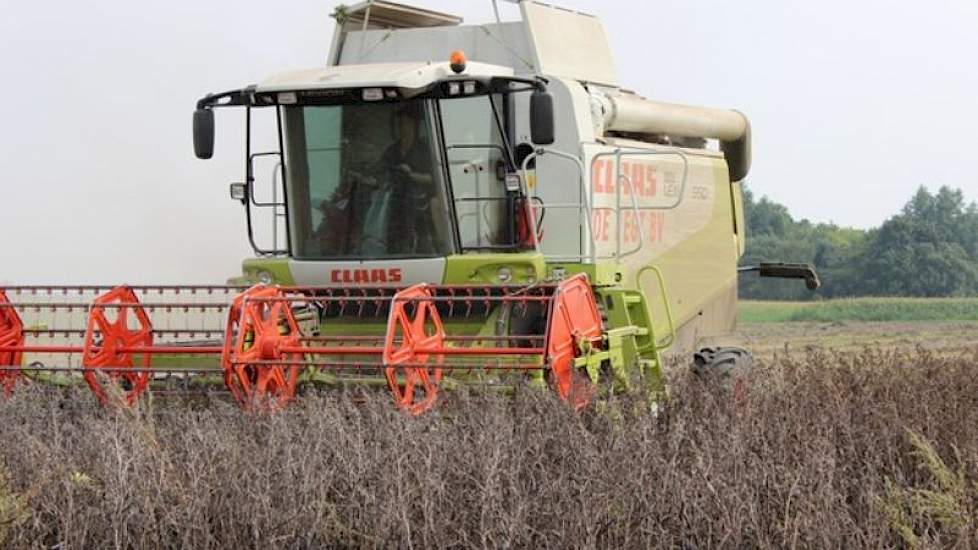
(542, 118)
(204, 133)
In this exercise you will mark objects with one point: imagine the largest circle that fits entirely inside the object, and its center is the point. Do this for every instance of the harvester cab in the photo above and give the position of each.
(388, 170)
(459, 204)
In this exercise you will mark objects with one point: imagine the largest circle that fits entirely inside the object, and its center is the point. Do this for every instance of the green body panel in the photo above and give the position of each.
(698, 256)
(477, 269)
(600, 274)
(630, 341)
(523, 267)
(740, 228)
(252, 269)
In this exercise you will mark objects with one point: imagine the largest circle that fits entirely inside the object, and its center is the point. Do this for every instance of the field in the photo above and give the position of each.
(844, 434)
(947, 326)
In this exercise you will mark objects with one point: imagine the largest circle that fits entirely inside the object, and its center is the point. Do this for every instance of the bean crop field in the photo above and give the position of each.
(850, 431)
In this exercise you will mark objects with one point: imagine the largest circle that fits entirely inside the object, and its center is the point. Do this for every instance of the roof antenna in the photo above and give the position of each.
(363, 30)
(502, 32)
(495, 9)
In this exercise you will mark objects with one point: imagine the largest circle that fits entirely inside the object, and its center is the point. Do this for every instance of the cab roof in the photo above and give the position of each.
(397, 75)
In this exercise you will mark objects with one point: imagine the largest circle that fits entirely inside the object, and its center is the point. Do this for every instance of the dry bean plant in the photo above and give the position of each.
(813, 450)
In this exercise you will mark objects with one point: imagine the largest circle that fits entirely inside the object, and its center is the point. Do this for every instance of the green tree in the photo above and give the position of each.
(766, 217)
(928, 249)
(774, 236)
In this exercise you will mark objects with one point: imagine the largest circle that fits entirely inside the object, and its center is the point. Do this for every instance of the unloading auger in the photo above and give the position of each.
(263, 354)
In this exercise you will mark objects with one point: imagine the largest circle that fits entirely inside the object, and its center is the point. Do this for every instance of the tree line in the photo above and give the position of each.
(928, 249)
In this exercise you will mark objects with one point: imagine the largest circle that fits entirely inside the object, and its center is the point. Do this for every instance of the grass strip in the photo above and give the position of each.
(861, 309)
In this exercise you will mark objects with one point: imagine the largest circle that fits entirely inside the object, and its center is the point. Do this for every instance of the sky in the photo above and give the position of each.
(853, 106)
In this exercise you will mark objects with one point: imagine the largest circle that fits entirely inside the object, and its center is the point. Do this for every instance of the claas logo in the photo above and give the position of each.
(353, 276)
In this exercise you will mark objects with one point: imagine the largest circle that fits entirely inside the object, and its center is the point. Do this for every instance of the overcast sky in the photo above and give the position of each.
(853, 105)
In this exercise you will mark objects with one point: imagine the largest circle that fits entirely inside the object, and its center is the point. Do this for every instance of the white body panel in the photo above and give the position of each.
(415, 74)
(557, 180)
(505, 44)
(569, 44)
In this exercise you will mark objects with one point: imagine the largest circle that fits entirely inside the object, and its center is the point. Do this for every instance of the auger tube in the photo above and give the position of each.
(633, 113)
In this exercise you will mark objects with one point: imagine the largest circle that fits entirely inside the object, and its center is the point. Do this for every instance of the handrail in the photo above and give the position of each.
(480, 215)
(251, 192)
(671, 339)
(618, 153)
(584, 207)
(685, 178)
(274, 204)
(641, 234)
(464, 146)
(482, 202)
(276, 215)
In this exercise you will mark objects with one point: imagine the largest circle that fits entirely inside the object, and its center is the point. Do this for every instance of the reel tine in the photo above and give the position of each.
(363, 302)
(451, 303)
(488, 295)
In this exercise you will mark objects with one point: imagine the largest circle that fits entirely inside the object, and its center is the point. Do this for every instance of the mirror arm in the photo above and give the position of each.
(230, 98)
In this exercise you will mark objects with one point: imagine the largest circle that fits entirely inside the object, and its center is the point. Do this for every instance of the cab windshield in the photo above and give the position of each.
(364, 182)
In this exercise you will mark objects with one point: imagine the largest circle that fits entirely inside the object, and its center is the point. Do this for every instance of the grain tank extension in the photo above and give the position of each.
(441, 204)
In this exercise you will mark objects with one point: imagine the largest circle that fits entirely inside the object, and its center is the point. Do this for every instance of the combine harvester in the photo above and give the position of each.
(502, 216)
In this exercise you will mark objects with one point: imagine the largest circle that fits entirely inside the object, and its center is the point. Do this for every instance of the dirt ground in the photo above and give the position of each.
(764, 339)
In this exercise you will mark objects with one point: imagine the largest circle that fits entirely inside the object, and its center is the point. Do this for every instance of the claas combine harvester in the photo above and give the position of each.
(449, 205)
